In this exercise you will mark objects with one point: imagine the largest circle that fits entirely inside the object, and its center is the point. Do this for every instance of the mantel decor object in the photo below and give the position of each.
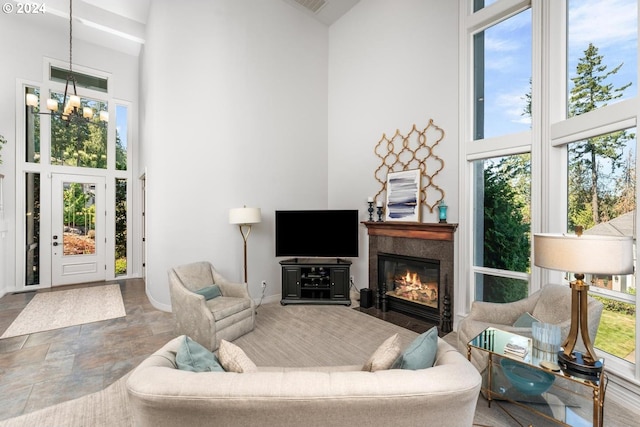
(403, 196)
(411, 150)
(370, 210)
(442, 212)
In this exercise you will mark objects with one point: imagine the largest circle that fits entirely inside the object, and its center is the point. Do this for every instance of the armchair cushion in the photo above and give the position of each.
(210, 292)
(525, 321)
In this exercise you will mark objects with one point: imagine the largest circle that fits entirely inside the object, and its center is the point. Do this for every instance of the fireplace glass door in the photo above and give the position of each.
(411, 280)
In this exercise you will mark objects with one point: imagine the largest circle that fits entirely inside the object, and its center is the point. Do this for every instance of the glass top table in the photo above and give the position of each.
(530, 379)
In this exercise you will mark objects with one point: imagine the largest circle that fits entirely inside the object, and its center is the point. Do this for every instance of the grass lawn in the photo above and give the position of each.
(616, 334)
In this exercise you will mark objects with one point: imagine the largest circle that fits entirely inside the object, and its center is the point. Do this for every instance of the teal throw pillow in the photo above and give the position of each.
(193, 357)
(525, 321)
(210, 292)
(421, 353)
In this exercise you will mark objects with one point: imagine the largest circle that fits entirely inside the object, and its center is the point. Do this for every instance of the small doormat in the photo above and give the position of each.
(60, 309)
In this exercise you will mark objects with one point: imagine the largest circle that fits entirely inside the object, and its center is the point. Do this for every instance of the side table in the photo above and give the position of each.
(519, 379)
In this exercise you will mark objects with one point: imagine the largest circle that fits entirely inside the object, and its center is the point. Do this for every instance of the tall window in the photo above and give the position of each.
(500, 167)
(579, 148)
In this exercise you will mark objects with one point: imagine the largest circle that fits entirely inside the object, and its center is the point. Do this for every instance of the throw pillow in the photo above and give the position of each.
(384, 356)
(421, 353)
(525, 321)
(193, 357)
(233, 359)
(210, 292)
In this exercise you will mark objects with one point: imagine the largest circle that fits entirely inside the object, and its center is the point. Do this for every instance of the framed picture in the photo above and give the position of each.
(403, 196)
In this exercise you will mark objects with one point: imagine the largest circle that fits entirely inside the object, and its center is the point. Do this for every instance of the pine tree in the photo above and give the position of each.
(591, 91)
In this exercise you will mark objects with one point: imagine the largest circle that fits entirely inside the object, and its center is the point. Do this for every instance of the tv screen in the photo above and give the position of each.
(317, 233)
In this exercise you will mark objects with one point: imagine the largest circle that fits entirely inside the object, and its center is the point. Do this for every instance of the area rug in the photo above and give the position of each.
(60, 309)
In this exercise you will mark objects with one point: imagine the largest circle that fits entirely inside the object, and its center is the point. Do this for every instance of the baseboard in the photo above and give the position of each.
(623, 392)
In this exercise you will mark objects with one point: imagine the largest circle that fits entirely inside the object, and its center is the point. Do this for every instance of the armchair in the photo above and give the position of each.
(209, 321)
(551, 304)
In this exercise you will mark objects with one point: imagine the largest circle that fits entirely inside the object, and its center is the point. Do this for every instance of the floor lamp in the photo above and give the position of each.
(605, 255)
(244, 218)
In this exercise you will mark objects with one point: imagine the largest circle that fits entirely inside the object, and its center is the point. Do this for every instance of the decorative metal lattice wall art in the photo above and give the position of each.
(412, 151)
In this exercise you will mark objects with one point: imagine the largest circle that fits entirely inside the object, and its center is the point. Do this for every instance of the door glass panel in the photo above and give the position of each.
(121, 227)
(32, 129)
(80, 143)
(32, 229)
(122, 132)
(602, 65)
(79, 218)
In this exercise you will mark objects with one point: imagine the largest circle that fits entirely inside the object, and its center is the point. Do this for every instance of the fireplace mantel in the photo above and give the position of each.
(412, 230)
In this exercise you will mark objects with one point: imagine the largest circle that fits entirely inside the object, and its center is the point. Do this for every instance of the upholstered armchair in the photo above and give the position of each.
(208, 321)
(551, 304)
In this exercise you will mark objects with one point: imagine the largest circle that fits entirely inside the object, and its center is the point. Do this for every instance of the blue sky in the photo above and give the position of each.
(610, 25)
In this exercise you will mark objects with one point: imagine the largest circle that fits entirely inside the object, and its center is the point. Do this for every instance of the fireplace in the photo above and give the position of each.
(410, 284)
(411, 269)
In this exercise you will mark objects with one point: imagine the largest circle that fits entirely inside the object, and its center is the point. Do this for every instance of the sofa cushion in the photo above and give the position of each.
(193, 357)
(525, 321)
(210, 292)
(421, 353)
(384, 356)
(233, 359)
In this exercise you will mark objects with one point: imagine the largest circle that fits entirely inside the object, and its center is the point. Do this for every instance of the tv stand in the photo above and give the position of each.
(315, 281)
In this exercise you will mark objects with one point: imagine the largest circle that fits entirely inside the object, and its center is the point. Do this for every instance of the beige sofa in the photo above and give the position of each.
(162, 395)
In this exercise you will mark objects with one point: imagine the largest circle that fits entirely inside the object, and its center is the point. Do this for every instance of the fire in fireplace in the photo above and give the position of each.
(411, 288)
(410, 284)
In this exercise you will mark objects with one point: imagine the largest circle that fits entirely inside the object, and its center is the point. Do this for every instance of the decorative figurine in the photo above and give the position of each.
(370, 202)
(442, 214)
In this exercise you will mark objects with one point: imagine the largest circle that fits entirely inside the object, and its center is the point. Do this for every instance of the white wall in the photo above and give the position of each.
(391, 65)
(27, 39)
(233, 112)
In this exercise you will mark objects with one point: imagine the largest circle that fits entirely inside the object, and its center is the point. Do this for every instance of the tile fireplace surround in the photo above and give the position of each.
(420, 240)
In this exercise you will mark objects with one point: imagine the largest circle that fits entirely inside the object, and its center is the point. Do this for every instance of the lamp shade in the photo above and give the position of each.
(584, 254)
(244, 216)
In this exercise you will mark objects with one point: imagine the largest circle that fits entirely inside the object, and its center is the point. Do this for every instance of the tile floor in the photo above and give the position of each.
(46, 368)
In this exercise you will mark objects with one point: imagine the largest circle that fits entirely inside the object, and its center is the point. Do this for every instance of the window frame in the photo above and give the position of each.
(548, 157)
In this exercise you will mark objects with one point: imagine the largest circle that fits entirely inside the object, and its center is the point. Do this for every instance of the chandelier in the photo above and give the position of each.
(73, 110)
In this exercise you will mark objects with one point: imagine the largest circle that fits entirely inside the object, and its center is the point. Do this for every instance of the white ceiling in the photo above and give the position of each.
(120, 24)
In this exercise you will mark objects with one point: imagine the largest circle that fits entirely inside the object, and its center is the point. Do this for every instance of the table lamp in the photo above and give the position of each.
(244, 217)
(580, 254)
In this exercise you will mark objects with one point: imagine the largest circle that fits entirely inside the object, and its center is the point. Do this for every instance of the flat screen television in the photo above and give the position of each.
(317, 233)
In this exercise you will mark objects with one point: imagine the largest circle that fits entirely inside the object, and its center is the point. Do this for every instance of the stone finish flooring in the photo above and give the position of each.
(46, 368)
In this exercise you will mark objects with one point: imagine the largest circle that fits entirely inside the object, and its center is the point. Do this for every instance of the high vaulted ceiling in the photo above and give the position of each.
(120, 24)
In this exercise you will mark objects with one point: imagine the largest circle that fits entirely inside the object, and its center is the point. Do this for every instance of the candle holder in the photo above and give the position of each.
(442, 214)
(379, 213)
(370, 211)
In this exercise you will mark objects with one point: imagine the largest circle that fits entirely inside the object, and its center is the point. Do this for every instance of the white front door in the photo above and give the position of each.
(77, 229)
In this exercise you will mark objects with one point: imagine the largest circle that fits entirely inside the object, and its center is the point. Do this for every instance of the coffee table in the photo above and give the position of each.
(517, 377)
